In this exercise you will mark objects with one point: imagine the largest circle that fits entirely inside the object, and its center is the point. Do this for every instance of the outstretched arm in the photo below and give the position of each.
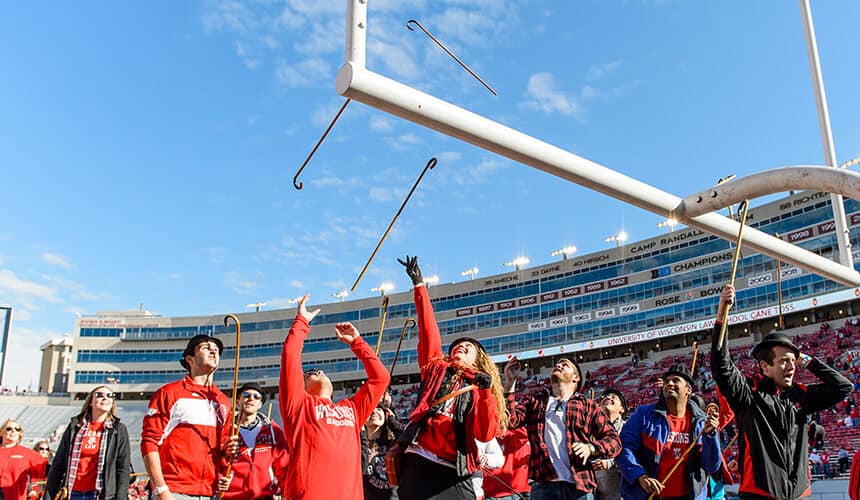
(291, 391)
(729, 379)
(366, 399)
(429, 339)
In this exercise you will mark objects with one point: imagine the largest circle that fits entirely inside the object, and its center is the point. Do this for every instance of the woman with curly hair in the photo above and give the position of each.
(93, 459)
(441, 454)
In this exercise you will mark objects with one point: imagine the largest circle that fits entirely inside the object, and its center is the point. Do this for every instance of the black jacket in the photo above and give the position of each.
(117, 467)
(774, 442)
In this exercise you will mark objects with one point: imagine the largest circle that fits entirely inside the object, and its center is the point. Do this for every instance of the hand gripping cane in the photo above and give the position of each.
(724, 318)
(234, 429)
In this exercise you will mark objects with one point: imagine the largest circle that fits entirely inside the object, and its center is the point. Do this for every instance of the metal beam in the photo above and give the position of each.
(358, 83)
(778, 180)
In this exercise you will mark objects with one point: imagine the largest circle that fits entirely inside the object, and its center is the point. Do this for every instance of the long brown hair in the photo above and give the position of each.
(86, 410)
(486, 365)
(3, 430)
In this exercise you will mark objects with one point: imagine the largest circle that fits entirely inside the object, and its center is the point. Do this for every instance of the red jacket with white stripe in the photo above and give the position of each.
(187, 424)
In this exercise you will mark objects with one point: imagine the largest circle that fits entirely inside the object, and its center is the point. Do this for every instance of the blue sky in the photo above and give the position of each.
(147, 149)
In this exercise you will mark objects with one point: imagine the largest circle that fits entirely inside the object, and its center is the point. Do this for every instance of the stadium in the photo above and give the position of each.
(648, 301)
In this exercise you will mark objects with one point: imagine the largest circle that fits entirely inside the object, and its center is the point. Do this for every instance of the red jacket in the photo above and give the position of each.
(515, 471)
(18, 465)
(482, 417)
(259, 470)
(187, 424)
(322, 436)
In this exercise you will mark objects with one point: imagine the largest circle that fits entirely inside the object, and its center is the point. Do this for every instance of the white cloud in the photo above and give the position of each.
(56, 259)
(396, 58)
(240, 284)
(543, 95)
(304, 74)
(385, 194)
(449, 156)
(76, 290)
(12, 285)
(381, 123)
(324, 38)
(22, 365)
(470, 174)
(77, 311)
(21, 314)
(297, 284)
(598, 72)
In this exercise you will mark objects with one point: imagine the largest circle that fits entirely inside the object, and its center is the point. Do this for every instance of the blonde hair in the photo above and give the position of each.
(6, 424)
(86, 411)
(486, 365)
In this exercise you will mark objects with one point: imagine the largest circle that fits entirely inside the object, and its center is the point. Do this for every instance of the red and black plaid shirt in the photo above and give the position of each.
(585, 423)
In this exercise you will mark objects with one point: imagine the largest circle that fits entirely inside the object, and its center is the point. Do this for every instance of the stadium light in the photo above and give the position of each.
(671, 222)
(431, 280)
(471, 272)
(384, 287)
(341, 295)
(565, 252)
(257, 306)
(518, 262)
(619, 238)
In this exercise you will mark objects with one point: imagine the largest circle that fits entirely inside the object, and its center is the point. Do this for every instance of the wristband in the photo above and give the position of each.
(805, 359)
(161, 489)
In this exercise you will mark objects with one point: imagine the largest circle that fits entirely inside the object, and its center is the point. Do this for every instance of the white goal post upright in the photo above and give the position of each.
(356, 82)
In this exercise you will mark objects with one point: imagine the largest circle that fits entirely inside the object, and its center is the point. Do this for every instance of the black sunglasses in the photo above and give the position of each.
(43, 449)
(252, 395)
(10, 428)
(108, 395)
(311, 372)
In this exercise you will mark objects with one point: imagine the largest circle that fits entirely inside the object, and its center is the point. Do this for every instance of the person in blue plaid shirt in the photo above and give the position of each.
(566, 430)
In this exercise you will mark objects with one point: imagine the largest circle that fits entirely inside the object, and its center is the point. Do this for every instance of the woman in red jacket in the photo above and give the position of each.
(442, 454)
(18, 464)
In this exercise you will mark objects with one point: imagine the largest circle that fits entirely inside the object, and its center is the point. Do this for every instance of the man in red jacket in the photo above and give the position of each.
(186, 426)
(260, 466)
(323, 436)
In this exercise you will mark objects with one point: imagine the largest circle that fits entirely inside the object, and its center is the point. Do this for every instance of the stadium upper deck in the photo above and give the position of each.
(601, 304)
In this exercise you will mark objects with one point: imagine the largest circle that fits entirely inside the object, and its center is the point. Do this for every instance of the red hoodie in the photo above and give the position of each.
(322, 436)
(18, 465)
(260, 468)
(515, 471)
(186, 424)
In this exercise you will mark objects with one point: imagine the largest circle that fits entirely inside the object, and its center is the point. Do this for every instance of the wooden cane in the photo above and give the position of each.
(382, 323)
(410, 321)
(680, 460)
(234, 428)
(430, 165)
(695, 354)
(724, 318)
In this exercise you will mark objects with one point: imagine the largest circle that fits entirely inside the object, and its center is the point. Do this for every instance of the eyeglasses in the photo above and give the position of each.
(43, 449)
(252, 395)
(108, 395)
(311, 372)
(13, 429)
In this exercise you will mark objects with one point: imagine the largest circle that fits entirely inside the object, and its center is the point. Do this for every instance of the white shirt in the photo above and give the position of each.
(495, 459)
(555, 437)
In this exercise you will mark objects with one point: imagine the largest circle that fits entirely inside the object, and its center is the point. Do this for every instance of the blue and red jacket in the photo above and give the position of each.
(643, 438)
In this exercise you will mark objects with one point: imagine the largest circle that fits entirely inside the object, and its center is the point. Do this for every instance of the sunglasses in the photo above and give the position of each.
(252, 395)
(108, 395)
(43, 449)
(15, 429)
(312, 372)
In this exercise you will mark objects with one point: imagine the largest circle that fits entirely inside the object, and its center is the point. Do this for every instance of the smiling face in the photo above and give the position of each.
(465, 353)
(377, 417)
(250, 402)
(611, 406)
(780, 367)
(676, 388)
(12, 432)
(101, 401)
(318, 384)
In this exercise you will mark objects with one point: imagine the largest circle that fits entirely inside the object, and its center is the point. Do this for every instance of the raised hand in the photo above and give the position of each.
(303, 310)
(346, 333)
(412, 269)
